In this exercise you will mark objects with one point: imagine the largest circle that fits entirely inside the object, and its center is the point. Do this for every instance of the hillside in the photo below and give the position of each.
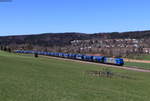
(62, 39)
(109, 44)
(49, 39)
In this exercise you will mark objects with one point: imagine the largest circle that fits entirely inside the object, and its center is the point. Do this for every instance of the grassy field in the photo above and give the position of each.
(138, 65)
(24, 78)
(139, 57)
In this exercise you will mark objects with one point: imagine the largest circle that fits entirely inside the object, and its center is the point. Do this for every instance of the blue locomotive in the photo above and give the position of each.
(98, 59)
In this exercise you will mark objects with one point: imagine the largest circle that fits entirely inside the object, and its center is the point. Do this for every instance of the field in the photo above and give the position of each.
(138, 65)
(139, 57)
(25, 78)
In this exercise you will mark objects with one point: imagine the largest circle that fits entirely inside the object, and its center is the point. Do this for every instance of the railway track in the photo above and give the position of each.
(106, 65)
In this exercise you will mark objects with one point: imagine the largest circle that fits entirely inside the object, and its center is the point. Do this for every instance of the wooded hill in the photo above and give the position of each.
(63, 39)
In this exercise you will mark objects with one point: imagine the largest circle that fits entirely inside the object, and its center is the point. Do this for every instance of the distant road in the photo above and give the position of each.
(106, 65)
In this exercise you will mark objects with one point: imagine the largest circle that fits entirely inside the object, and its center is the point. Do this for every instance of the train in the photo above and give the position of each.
(83, 57)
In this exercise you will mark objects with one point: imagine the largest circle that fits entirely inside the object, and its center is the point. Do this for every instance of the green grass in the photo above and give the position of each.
(140, 57)
(25, 78)
(138, 65)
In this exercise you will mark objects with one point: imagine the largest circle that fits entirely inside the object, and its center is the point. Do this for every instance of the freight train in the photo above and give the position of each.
(98, 59)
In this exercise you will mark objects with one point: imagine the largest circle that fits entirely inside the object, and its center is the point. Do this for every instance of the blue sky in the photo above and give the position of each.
(87, 16)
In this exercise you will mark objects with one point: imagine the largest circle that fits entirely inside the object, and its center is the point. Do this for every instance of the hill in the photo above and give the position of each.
(109, 44)
(63, 39)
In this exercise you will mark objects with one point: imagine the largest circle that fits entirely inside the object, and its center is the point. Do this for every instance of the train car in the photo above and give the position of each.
(26, 52)
(48, 53)
(30, 52)
(17, 51)
(71, 56)
(23, 52)
(65, 55)
(40, 53)
(79, 56)
(87, 58)
(44, 53)
(115, 61)
(99, 59)
(56, 54)
(60, 54)
(52, 53)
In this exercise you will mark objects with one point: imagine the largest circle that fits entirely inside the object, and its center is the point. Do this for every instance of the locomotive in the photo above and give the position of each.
(98, 59)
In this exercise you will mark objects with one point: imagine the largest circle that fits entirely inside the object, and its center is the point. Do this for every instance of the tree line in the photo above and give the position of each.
(6, 49)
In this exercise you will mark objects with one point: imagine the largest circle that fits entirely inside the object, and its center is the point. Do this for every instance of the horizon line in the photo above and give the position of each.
(73, 32)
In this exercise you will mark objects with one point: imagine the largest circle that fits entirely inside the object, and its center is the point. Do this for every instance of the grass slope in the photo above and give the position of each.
(24, 78)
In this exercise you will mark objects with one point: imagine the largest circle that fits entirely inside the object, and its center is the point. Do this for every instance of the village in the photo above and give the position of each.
(112, 47)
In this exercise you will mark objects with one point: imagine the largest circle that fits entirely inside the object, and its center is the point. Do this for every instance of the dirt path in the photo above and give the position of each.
(106, 65)
(139, 61)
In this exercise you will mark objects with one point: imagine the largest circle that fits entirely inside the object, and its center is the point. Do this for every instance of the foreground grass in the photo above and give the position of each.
(138, 65)
(24, 78)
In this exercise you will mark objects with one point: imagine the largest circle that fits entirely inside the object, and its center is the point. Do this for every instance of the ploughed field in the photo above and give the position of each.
(25, 78)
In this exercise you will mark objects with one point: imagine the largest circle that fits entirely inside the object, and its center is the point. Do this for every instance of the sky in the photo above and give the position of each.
(87, 16)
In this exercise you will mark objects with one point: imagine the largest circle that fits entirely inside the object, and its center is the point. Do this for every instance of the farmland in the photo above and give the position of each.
(25, 78)
(140, 57)
(138, 65)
